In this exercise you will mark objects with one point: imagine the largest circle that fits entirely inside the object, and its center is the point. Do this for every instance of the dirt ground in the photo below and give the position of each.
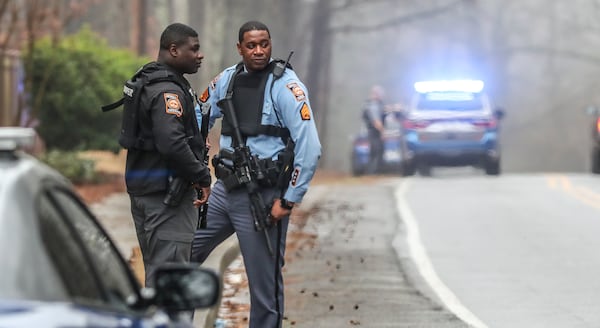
(111, 166)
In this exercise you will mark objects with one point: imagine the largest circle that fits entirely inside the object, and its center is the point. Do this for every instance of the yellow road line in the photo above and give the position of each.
(582, 194)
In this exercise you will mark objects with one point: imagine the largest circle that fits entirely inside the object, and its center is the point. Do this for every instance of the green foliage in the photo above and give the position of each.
(78, 170)
(71, 80)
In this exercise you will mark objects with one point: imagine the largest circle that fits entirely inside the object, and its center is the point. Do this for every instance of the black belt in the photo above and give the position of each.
(233, 179)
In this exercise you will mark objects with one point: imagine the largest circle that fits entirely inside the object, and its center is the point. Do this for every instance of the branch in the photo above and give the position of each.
(569, 54)
(351, 3)
(13, 20)
(398, 20)
(3, 5)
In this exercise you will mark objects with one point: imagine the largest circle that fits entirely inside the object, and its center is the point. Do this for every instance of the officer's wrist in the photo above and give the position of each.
(286, 204)
(201, 184)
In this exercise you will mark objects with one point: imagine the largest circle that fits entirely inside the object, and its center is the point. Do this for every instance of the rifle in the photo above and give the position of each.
(203, 209)
(248, 172)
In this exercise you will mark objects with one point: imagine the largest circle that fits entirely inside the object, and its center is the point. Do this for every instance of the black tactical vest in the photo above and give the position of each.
(248, 100)
(133, 135)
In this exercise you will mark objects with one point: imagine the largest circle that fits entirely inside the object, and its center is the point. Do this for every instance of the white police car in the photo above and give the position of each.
(451, 123)
(61, 269)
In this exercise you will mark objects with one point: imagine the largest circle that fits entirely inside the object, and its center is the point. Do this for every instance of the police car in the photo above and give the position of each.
(61, 269)
(451, 123)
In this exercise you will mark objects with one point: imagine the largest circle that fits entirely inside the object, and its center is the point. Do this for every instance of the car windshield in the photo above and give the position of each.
(449, 101)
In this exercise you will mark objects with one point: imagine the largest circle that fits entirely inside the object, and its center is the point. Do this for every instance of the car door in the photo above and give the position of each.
(94, 274)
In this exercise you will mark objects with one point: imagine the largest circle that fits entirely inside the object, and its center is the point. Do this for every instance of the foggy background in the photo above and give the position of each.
(539, 59)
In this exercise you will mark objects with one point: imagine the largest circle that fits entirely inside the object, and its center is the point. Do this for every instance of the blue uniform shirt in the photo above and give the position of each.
(290, 100)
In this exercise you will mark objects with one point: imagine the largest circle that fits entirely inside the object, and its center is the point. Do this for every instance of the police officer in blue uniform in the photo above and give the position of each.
(272, 108)
(164, 165)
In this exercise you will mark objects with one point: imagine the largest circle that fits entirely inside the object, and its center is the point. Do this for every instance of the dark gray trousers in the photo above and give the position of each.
(164, 233)
(375, 152)
(229, 213)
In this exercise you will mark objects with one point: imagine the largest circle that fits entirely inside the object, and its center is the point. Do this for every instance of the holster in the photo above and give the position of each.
(285, 162)
(177, 188)
(224, 171)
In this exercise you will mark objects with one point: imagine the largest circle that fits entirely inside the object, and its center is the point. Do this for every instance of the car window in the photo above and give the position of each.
(66, 254)
(449, 101)
(28, 270)
(101, 253)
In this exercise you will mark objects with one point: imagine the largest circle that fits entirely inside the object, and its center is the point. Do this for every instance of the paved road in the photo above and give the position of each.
(515, 251)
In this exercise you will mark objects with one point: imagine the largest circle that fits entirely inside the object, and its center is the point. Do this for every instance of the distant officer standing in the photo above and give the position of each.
(164, 164)
(373, 115)
(271, 110)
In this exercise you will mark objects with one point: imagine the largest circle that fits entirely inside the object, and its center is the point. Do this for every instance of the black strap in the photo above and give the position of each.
(114, 105)
(204, 126)
(238, 69)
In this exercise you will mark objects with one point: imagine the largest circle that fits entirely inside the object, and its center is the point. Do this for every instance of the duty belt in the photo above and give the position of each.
(226, 171)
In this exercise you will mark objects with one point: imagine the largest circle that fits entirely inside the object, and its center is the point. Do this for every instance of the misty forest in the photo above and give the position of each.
(540, 59)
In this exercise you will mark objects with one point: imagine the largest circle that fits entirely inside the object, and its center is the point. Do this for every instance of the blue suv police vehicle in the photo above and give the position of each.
(451, 123)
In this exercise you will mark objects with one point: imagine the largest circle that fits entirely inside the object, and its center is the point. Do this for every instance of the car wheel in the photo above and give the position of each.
(596, 161)
(424, 170)
(357, 169)
(492, 167)
(409, 168)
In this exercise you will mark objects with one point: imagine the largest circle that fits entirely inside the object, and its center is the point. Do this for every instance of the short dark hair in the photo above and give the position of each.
(252, 26)
(177, 34)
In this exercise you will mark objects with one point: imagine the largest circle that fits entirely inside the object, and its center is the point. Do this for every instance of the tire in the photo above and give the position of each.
(492, 167)
(596, 161)
(409, 169)
(424, 170)
(357, 169)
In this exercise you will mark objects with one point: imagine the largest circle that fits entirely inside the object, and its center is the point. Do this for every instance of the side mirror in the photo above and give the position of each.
(592, 110)
(499, 113)
(185, 286)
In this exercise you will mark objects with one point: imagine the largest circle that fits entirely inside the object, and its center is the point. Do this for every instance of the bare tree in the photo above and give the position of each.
(22, 23)
(326, 28)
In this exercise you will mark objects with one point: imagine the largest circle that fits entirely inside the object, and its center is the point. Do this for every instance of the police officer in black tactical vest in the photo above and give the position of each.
(165, 161)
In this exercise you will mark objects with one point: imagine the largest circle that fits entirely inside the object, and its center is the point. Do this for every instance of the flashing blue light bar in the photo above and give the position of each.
(450, 96)
(473, 86)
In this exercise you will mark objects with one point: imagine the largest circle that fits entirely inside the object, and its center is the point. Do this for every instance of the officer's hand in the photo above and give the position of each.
(207, 143)
(204, 196)
(278, 212)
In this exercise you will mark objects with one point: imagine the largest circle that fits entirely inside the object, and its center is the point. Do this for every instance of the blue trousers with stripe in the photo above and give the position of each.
(228, 213)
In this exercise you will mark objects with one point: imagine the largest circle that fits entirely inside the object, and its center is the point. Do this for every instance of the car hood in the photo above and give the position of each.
(41, 314)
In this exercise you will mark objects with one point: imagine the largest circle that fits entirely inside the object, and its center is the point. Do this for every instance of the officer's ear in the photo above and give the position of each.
(239, 48)
(173, 50)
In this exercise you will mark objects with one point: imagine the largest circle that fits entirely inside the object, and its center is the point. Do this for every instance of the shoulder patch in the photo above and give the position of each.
(296, 91)
(205, 95)
(172, 104)
(295, 176)
(305, 112)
